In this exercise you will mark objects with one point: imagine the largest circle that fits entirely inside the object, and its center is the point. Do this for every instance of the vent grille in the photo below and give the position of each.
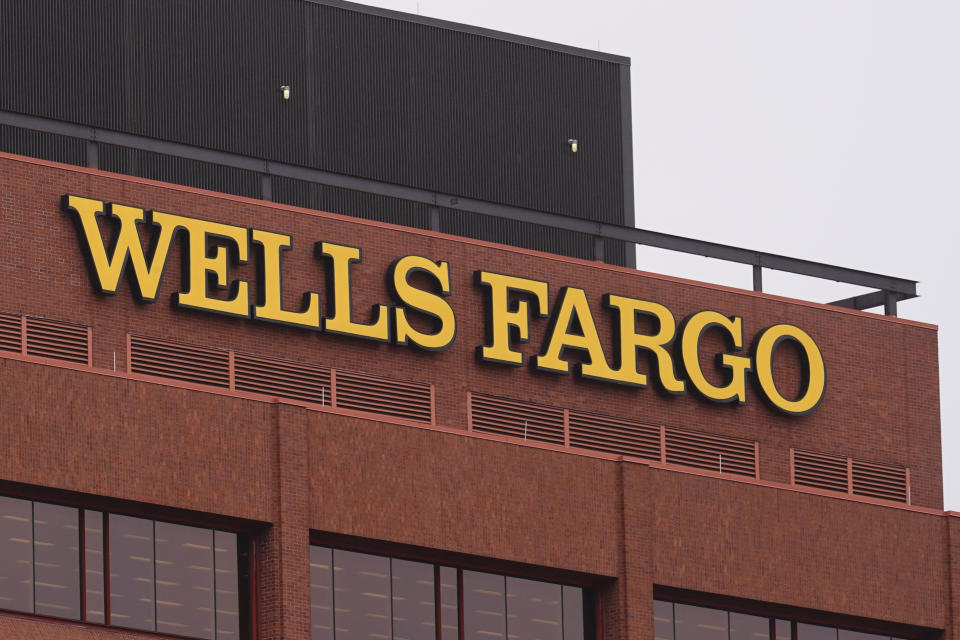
(517, 419)
(299, 381)
(11, 338)
(555, 425)
(58, 340)
(294, 380)
(876, 480)
(362, 392)
(45, 338)
(155, 357)
(855, 477)
(614, 435)
(820, 470)
(708, 451)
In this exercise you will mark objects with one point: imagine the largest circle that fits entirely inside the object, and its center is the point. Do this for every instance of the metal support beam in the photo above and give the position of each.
(598, 248)
(886, 299)
(93, 154)
(434, 219)
(757, 278)
(890, 303)
(266, 187)
(901, 288)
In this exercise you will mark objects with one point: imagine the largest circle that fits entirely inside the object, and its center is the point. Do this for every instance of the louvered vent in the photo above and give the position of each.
(294, 380)
(518, 419)
(613, 435)
(820, 470)
(877, 480)
(402, 399)
(10, 338)
(155, 357)
(846, 475)
(707, 451)
(58, 340)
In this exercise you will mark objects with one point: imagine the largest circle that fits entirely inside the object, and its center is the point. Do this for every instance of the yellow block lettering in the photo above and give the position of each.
(270, 286)
(106, 271)
(503, 323)
(424, 302)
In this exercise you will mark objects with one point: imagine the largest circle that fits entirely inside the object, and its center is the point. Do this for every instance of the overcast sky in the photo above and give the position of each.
(819, 129)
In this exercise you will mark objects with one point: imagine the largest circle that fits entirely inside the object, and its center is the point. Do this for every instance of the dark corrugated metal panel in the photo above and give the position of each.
(472, 116)
(212, 72)
(47, 146)
(190, 173)
(372, 96)
(517, 234)
(61, 59)
(350, 203)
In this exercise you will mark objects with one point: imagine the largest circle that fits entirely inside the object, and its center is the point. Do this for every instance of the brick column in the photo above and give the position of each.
(283, 551)
(952, 590)
(628, 603)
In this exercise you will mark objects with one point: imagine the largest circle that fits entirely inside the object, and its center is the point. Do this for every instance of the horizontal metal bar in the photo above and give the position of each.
(866, 301)
(902, 287)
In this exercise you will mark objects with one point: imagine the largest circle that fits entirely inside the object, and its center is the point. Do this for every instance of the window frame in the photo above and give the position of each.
(793, 615)
(590, 584)
(245, 531)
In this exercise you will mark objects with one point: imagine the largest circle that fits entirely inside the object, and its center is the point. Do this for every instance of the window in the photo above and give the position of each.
(107, 568)
(676, 621)
(362, 596)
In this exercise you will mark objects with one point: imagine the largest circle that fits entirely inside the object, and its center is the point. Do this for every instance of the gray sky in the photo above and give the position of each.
(819, 129)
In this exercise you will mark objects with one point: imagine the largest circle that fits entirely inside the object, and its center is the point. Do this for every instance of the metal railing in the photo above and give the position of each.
(888, 290)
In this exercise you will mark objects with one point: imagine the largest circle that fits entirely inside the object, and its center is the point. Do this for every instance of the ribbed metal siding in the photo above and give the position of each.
(376, 97)
(60, 59)
(350, 203)
(191, 173)
(42, 145)
(467, 115)
(528, 236)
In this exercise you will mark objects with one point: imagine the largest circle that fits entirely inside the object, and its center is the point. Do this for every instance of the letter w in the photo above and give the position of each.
(106, 271)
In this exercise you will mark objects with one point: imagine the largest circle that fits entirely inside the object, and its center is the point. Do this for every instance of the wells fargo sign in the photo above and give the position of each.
(509, 302)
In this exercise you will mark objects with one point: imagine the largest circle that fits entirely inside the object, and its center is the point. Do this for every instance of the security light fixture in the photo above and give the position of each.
(573, 144)
(285, 91)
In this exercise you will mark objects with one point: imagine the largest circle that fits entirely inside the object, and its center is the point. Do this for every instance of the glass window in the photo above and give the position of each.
(227, 572)
(16, 555)
(699, 623)
(361, 596)
(171, 578)
(573, 613)
(321, 593)
(93, 564)
(56, 560)
(675, 621)
(783, 630)
(131, 573)
(844, 634)
(484, 606)
(184, 579)
(815, 632)
(449, 605)
(746, 627)
(414, 615)
(663, 620)
(534, 610)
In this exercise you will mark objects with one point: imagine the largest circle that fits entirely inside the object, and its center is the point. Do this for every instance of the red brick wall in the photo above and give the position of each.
(882, 395)
(300, 471)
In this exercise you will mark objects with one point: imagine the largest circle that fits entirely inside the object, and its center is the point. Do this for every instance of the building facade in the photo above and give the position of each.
(229, 417)
(441, 466)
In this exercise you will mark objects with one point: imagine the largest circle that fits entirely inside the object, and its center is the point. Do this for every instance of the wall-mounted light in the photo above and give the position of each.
(573, 144)
(285, 91)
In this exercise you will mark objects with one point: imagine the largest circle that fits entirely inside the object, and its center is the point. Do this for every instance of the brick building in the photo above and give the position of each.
(268, 421)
